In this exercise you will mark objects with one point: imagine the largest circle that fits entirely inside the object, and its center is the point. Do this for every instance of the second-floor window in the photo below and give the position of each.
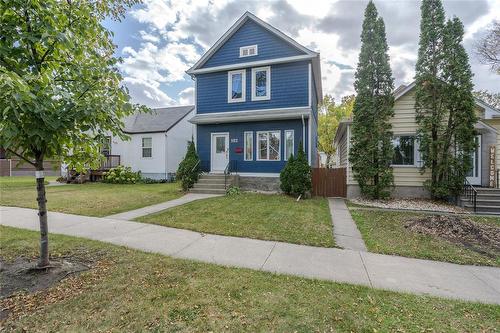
(236, 86)
(261, 83)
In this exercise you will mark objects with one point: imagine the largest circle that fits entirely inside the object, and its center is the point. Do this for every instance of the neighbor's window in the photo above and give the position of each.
(404, 150)
(248, 51)
(261, 83)
(147, 147)
(106, 146)
(248, 146)
(269, 146)
(288, 144)
(236, 86)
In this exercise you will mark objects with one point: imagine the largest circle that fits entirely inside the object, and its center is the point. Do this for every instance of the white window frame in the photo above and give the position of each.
(230, 74)
(248, 48)
(284, 143)
(268, 83)
(416, 153)
(245, 145)
(257, 150)
(143, 147)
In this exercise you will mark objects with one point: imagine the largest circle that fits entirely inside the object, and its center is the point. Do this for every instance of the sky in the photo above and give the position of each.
(160, 39)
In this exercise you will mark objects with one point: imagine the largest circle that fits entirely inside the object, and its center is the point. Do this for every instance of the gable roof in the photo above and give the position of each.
(232, 30)
(308, 54)
(403, 90)
(159, 120)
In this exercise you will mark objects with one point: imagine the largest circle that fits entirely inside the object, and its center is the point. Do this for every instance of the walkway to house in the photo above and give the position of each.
(133, 214)
(473, 283)
(345, 231)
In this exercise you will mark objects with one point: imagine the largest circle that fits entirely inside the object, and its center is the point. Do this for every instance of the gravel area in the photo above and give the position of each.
(410, 204)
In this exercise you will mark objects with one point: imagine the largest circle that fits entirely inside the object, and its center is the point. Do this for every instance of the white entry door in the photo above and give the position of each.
(220, 152)
(474, 176)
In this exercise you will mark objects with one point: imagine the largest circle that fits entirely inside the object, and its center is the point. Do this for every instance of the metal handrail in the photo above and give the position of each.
(497, 183)
(197, 163)
(226, 174)
(470, 193)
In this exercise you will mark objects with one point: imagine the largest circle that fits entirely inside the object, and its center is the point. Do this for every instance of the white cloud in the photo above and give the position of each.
(178, 30)
(186, 97)
(147, 93)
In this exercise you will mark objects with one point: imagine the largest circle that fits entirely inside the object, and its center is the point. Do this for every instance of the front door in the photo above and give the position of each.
(474, 176)
(220, 152)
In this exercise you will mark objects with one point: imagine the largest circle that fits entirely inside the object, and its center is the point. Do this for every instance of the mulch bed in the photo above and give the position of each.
(26, 289)
(479, 237)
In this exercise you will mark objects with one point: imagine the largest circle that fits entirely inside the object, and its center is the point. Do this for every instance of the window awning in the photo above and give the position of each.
(255, 115)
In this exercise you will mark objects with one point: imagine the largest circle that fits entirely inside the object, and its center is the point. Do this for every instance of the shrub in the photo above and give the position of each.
(233, 190)
(295, 178)
(189, 168)
(121, 175)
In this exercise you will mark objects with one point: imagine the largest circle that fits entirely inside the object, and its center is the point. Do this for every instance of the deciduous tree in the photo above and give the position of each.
(371, 150)
(60, 89)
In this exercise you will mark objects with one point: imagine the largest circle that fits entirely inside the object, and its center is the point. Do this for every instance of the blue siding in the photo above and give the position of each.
(289, 88)
(250, 33)
(236, 131)
(314, 125)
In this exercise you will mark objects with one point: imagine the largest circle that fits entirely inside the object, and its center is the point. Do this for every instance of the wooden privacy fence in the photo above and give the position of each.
(329, 182)
(12, 167)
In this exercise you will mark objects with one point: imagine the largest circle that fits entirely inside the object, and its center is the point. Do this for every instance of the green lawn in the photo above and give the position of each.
(130, 290)
(92, 199)
(384, 232)
(261, 216)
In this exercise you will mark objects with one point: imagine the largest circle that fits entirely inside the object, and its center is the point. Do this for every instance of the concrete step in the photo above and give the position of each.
(210, 181)
(207, 191)
(209, 186)
(483, 209)
(485, 190)
(483, 201)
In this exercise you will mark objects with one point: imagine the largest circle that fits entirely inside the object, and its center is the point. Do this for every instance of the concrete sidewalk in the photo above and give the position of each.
(345, 231)
(471, 283)
(133, 214)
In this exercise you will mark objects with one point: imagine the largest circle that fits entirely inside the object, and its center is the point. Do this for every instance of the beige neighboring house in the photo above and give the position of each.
(408, 179)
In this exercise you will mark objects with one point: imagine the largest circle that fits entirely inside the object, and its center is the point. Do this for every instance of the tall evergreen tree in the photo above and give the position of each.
(444, 102)
(371, 152)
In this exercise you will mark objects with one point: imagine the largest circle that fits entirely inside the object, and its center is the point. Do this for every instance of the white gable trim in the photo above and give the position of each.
(231, 32)
(250, 64)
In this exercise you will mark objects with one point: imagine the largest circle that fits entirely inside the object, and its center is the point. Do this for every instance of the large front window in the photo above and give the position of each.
(236, 86)
(261, 83)
(269, 146)
(404, 150)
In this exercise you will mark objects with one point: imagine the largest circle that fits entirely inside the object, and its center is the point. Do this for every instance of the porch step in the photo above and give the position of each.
(216, 186)
(208, 191)
(483, 201)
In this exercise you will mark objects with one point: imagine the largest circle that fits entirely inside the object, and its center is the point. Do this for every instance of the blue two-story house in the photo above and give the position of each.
(256, 96)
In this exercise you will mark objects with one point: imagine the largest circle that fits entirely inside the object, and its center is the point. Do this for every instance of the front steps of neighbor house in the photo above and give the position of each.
(213, 183)
(487, 201)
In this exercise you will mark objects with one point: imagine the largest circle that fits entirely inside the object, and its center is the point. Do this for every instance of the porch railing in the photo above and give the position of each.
(231, 167)
(110, 161)
(470, 193)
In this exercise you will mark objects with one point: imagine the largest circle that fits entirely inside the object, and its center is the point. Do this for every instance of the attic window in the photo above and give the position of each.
(248, 51)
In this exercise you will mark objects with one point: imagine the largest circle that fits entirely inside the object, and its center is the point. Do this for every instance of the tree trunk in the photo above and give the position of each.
(42, 214)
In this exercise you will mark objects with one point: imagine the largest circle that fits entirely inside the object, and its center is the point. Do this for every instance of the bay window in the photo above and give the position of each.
(268, 145)
(248, 146)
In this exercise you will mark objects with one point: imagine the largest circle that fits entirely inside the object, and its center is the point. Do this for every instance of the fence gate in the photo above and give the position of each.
(329, 182)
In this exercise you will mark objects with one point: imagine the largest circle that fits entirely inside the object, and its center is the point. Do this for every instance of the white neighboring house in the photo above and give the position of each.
(158, 141)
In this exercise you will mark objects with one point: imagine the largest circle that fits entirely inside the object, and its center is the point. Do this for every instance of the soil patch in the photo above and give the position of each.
(479, 237)
(21, 275)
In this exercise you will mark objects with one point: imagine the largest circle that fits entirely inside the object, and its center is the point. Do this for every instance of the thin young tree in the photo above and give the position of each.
(371, 151)
(60, 89)
(444, 102)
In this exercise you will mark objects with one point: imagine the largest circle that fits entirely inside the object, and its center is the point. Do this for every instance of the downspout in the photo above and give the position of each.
(303, 133)
(166, 154)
